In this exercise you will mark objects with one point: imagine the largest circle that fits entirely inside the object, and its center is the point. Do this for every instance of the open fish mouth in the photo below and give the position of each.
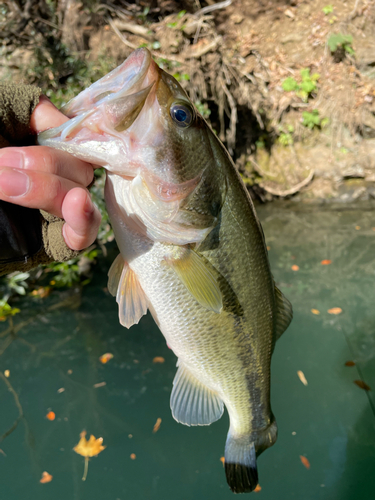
(111, 104)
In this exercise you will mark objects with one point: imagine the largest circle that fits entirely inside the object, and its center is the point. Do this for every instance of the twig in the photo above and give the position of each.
(211, 8)
(292, 190)
(18, 404)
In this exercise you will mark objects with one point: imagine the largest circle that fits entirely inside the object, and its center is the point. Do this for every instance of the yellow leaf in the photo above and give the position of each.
(302, 377)
(89, 448)
(158, 359)
(335, 310)
(315, 311)
(157, 425)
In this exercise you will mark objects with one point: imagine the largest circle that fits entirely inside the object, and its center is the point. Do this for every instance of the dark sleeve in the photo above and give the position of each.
(28, 237)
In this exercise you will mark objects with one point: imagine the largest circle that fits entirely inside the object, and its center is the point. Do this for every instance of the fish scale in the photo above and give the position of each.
(192, 250)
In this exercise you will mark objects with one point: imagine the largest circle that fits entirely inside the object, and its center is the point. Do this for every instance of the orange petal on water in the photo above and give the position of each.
(326, 262)
(51, 415)
(133, 456)
(157, 425)
(222, 460)
(105, 358)
(89, 448)
(362, 385)
(257, 488)
(315, 311)
(46, 478)
(294, 268)
(158, 359)
(335, 310)
(305, 462)
(302, 377)
(350, 363)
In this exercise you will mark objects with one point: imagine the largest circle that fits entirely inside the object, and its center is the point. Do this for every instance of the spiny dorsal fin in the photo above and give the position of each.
(192, 403)
(123, 283)
(284, 313)
(198, 279)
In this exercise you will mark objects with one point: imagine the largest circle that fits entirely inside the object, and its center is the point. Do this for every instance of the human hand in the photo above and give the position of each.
(51, 180)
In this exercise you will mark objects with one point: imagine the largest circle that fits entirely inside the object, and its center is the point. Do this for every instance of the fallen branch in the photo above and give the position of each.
(18, 404)
(292, 190)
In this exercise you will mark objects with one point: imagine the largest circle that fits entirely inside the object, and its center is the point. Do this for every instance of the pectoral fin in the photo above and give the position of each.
(123, 283)
(192, 403)
(114, 274)
(198, 279)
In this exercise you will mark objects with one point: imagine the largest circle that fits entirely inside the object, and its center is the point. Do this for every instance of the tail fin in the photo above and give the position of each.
(240, 464)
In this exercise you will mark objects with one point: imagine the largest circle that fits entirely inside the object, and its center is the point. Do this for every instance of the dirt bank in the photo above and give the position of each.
(289, 86)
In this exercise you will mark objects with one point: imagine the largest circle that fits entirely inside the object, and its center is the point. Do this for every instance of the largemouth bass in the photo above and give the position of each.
(192, 250)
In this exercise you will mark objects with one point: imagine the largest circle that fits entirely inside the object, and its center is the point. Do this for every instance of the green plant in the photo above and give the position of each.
(203, 109)
(338, 41)
(7, 310)
(286, 137)
(304, 88)
(313, 119)
(328, 9)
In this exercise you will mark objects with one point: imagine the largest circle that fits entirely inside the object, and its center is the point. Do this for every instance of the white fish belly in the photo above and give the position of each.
(203, 340)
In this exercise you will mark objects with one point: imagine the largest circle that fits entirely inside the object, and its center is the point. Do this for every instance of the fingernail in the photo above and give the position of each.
(89, 206)
(13, 182)
(13, 159)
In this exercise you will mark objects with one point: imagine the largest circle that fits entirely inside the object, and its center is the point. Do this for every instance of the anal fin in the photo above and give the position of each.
(192, 403)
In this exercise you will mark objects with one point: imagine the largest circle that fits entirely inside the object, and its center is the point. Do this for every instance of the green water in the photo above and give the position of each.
(330, 421)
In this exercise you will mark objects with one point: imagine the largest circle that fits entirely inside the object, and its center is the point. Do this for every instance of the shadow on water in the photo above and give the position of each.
(53, 359)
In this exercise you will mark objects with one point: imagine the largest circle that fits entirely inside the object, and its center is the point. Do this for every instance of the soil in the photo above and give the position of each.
(234, 61)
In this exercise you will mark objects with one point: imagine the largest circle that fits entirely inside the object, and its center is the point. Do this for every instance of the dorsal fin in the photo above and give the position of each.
(192, 403)
(284, 313)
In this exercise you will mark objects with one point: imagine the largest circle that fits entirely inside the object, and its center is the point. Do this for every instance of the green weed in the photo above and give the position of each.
(339, 42)
(313, 119)
(328, 9)
(305, 88)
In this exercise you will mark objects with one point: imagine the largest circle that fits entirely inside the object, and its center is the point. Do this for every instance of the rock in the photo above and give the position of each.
(354, 171)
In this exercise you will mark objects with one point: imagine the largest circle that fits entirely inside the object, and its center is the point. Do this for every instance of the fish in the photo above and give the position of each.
(192, 250)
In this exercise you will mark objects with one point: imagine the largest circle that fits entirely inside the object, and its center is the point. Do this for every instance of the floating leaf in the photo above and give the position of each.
(157, 425)
(362, 385)
(133, 456)
(302, 377)
(326, 262)
(46, 478)
(158, 359)
(305, 462)
(51, 415)
(350, 363)
(87, 449)
(99, 384)
(335, 310)
(294, 268)
(222, 460)
(257, 488)
(7, 373)
(358, 228)
(315, 311)
(105, 357)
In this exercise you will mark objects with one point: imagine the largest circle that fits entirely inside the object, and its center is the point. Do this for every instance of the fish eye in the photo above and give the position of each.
(182, 115)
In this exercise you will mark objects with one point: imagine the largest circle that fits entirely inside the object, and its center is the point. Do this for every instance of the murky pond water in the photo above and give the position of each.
(53, 360)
